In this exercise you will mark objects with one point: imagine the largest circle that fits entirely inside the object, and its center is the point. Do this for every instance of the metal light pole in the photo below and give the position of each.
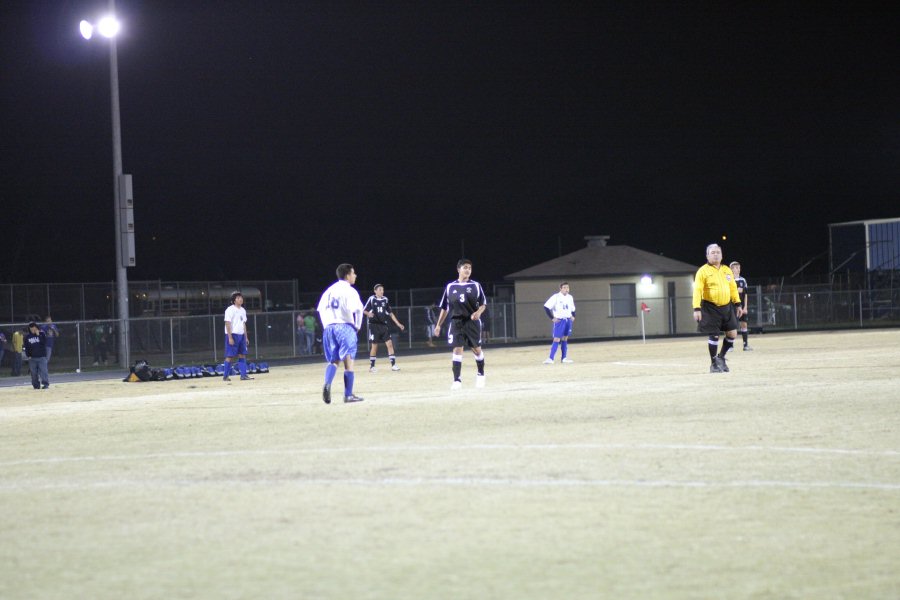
(109, 27)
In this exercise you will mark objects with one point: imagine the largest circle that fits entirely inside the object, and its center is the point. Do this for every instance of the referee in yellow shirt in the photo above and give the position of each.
(717, 306)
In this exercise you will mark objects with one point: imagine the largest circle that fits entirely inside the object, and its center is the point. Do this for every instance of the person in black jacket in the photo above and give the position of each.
(36, 350)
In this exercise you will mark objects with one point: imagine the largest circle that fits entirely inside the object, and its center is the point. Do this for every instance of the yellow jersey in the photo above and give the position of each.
(716, 285)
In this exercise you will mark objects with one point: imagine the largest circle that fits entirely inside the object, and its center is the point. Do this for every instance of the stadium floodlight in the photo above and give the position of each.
(109, 27)
(646, 280)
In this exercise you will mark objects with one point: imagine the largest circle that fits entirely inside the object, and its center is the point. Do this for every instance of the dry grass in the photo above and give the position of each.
(631, 473)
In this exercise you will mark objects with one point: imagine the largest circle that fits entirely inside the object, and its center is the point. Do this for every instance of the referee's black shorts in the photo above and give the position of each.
(464, 332)
(714, 319)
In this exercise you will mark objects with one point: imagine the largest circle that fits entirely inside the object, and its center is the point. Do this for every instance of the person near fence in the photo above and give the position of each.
(236, 337)
(99, 340)
(35, 344)
(717, 306)
(742, 294)
(310, 325)
(301, 335)
(560, 307)
(341, 311)
(51, 332)
(430, 320)
(18, 341)
(464, 301)
(378, 310)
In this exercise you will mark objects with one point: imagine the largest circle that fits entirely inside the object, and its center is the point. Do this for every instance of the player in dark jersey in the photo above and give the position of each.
(464, 301)
(742, 288)
(378, 310)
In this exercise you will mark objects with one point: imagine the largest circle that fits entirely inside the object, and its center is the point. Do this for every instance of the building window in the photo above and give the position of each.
(624, 300)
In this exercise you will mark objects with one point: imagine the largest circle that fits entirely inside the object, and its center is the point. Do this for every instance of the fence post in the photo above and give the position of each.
(215, 346)
(171, 341)
(795, 310)
(409, 325)
(78, 342)
(255, 336)
(860, 309)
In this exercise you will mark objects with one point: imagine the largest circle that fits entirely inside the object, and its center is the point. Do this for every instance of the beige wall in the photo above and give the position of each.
(593, 307)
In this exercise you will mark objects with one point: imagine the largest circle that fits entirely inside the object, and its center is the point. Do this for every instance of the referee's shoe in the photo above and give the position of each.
(723, 366)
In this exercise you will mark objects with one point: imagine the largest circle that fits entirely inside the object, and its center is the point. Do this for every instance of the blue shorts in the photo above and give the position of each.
(563, 328)
(239, 347)
(339, 341)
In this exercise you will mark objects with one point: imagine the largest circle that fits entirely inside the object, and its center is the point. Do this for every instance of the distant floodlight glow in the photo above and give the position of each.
(646, 280)
(87, 30)
(108, 26)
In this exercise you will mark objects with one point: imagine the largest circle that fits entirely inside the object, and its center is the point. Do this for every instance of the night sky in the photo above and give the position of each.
(278, 139)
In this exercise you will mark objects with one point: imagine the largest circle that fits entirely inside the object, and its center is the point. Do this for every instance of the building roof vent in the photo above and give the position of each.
(594, 241)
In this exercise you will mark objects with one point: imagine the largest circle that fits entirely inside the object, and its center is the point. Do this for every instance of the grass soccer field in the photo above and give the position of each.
(632, 473)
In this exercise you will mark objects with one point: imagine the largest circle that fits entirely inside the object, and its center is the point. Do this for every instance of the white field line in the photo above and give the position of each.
(623, 363)
(453, 482)
(453, 448)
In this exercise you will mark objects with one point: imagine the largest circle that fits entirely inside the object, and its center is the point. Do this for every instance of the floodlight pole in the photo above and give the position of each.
(121, 273)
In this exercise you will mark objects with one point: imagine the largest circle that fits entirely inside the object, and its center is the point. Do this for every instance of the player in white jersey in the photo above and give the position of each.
(236, 342)
(341, 311)
(560, 307)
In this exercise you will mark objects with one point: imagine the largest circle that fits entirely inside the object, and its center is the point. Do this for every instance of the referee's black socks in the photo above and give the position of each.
(726, 346)
(713, 347)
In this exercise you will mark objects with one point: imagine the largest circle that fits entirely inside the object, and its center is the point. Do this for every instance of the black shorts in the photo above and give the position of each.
(464, 332)
(378, 332)
(714, 319)
(743, 317)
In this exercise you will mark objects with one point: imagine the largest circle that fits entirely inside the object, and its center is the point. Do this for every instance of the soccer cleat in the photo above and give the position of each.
(226, 378)
(548, 361)
(352, 398)
(373, 370)
(326, 394)
(479, 381)
(723, 366)
(568, 361)
(246, 378)
(747, 348)
(714, 368)
(45, 386)
(395, 368)
(456, 385)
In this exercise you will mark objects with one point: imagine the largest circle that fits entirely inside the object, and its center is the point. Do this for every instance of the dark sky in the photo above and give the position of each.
(277, 139)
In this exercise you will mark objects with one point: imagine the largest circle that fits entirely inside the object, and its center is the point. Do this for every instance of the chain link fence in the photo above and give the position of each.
(175, 340)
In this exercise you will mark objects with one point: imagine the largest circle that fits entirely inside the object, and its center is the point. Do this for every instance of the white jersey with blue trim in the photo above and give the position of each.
(237, 317)
(340, 303)
(561, 305)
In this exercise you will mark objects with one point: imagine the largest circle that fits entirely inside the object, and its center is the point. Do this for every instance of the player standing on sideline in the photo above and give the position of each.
(236, 338)
(378, 309)
(714, 294)
(35, 345)
(464, 301)
(742, 294)
(341, 311)
(561, 310)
